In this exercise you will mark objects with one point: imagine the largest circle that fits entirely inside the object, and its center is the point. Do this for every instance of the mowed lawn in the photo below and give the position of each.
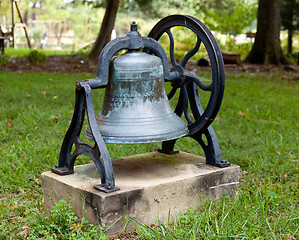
(257, 128)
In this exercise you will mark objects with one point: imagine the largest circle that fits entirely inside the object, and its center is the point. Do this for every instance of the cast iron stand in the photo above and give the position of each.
(186, 83)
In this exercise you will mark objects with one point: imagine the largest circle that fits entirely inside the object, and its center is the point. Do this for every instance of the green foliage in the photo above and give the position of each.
(292, 57)
(241, 48)
(147, 9)
(290, 20)
(4, 8)
(17, 52)
(36, 56)
(60, 223)
(185, 40)
(4, 60)
(123, 24)
(228, 17)
(138, 8)
(290, 14)
(81, 22)
(24, 52)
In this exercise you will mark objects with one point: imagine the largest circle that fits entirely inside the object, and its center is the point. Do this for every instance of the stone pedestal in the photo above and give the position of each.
(152, 185)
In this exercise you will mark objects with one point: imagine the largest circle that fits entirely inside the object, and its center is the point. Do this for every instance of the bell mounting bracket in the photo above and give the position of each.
(83, 104)
(184, 82)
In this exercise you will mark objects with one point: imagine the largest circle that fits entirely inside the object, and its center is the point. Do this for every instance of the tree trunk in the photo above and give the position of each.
(106, 28)
(266, 48)
(34, 14)
(290, 40)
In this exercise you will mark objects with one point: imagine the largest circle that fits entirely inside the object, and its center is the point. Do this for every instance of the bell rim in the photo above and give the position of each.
(142, 139)
(105, 120)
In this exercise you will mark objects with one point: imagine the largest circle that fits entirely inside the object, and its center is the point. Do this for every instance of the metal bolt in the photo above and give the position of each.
(133, 26)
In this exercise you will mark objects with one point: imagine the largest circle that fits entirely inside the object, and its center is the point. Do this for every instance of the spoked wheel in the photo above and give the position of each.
(189, 85)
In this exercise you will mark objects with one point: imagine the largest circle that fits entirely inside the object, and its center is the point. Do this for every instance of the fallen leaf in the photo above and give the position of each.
(76, 227)
(191, 115)
(13, 207)
(289, 236)
(21, 190)
(24, 232)
(56, 117)
(241, 114)
(10, 123)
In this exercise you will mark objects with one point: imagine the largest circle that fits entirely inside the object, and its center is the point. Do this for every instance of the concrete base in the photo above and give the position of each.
(152, 185)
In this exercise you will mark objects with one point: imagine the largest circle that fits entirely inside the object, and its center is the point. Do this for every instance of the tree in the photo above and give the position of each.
(109, 19)
(266, 48)
(290, 19)
(106, 28)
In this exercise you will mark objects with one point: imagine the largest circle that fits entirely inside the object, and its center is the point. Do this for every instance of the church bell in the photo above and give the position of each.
(135, 107)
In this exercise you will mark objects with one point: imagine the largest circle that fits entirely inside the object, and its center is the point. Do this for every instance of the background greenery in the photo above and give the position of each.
(82, 19)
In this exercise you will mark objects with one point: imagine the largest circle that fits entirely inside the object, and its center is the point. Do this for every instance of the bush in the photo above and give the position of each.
(36, 56)
(61, 223)
(4, 60)
(292, 57)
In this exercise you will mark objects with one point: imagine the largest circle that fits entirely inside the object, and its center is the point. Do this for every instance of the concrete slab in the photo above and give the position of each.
(152, 185)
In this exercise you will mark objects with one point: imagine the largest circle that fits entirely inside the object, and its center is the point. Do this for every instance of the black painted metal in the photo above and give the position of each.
(98, 153)
(133, 42)
(205, 37)
(184, 82)
(188, 85)
(206, 137)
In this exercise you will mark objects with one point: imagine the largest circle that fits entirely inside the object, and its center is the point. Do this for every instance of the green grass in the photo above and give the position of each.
(23, 52)
(257, 129)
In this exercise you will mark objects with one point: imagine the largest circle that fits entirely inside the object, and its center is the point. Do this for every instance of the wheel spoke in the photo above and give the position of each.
(197, 81)
(191, 53)
(186, 104)
(189, 84)
(180, 106)
(171, 47)
(194, 101)
(171, 93)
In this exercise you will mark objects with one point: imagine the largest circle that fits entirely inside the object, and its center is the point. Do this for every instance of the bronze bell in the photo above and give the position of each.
(135, 107)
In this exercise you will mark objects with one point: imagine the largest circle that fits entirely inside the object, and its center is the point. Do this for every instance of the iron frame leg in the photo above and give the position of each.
(98, 153)
(210, 144)
(168, 147)
(211, 147)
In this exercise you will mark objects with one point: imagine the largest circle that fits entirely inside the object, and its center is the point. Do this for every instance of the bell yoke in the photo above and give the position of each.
(136, 108)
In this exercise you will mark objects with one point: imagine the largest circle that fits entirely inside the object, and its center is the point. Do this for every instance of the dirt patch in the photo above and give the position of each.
(82, 64)
(53, 64)
(287, 72)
